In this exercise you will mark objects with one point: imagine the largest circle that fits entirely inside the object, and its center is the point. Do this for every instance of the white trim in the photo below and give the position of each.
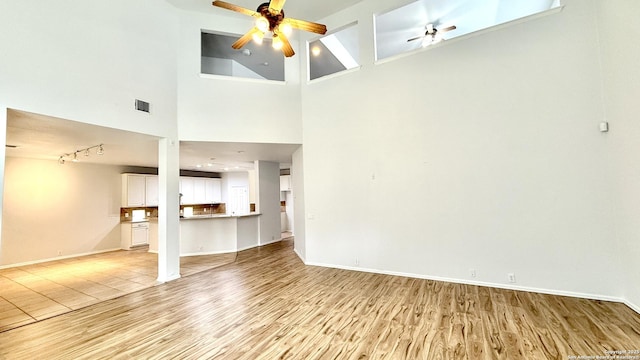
(175, 277)
(270, 242)
(238, 78)
(248, 247)
(631, 305)
(334, 75)
(58, 258)
(300, 256)
(480, 283)
(209, 253)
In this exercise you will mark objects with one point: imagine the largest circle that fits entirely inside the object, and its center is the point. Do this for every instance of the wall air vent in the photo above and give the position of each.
(142, 106)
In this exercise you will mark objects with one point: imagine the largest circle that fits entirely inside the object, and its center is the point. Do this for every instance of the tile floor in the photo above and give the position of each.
(35, 292)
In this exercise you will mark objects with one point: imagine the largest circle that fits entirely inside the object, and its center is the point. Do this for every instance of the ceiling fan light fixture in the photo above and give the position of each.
(262, 24)
(277, 42)
(258, 37)
(286, 28)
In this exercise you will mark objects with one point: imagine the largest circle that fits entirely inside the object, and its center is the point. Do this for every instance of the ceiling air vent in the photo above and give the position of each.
(142, 106)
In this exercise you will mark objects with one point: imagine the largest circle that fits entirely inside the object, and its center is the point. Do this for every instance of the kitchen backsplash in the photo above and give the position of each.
(152, 212)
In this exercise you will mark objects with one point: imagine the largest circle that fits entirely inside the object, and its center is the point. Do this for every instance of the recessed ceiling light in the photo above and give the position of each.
(209, 164)
(226, 169)
(315, 51)
(198, 166)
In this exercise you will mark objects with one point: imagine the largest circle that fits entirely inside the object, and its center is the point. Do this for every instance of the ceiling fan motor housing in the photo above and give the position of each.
(274, 19)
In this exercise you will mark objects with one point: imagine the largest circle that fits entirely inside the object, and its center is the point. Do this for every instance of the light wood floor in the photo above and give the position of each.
(40, 291)
(268, 305)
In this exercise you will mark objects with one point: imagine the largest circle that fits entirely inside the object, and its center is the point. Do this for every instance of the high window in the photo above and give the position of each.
(253, 61)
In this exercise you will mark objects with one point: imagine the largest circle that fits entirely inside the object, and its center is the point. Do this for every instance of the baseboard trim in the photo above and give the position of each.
(270, 242)
(208, 253)
(300, 256)
(484, 284)
(632, 306)
(33, 262)
(247, 247)
(171, 278)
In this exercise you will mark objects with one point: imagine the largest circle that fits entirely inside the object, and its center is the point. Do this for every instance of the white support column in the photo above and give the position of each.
(268, 205)
(168, 210)
(3, 142)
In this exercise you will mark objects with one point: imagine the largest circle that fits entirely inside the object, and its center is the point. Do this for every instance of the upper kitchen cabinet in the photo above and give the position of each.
(213, 191)
(285, 182)
(133, 190)
(200, 190)
(139, 190)
(151, 190)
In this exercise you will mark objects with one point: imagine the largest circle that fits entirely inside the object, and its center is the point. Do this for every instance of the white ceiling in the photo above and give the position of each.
(44, 137)
(299, 9)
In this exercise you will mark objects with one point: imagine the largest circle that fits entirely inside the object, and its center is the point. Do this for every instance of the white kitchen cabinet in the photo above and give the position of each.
(285, 182)
(199, 194)
(133, 190)
(139, 190)
(134, 234)
(213, 191)
(200, 190)
(187, 190)
(151, 190)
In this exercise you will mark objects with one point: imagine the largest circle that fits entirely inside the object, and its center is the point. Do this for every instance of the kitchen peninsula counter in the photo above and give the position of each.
(218, 233)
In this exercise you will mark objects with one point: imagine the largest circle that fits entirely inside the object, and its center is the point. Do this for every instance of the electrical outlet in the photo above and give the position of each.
(511, 277)
(59, 252)
(473, 273)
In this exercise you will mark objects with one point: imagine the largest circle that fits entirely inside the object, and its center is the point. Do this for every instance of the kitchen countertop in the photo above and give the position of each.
(194, 217)
(217, 216)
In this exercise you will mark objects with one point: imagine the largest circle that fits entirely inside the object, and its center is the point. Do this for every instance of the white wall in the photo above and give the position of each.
(89, 60)
(482, 153)
(619, 30)
(268, 205)
(71, 208)
(233, 109)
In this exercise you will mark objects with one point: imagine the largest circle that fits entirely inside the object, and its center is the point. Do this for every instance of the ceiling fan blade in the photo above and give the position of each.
(245, 38)
(306, 26)
(228, 6)
(415, 38)
(452, 27)
(275, 6)
(287, 50)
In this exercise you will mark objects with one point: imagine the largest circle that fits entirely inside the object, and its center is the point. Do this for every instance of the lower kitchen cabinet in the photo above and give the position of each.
(134, 234)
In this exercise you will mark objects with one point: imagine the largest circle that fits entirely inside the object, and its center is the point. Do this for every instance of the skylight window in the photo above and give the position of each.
(395, 28)
(334, 53)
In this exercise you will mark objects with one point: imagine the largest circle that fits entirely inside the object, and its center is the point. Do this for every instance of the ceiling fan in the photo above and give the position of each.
(270, 17)
(432, 35)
